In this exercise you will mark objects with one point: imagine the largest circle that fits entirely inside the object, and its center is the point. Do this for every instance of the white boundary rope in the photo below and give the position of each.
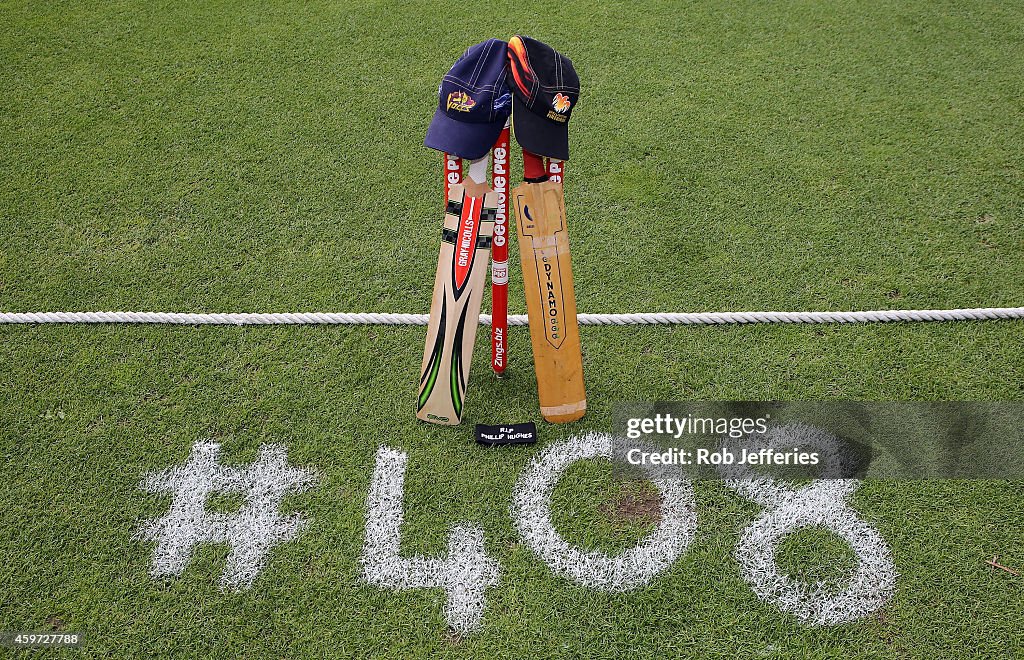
(668, 318)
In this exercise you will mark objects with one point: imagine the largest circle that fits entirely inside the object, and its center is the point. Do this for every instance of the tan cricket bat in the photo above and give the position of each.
(550, 300)
(455, 309)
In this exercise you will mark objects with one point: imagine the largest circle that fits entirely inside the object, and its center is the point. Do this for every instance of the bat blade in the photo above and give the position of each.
(455, 308)
(550, 300)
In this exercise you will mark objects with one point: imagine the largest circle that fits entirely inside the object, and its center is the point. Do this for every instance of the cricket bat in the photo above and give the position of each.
(550, 299)
(458, 291)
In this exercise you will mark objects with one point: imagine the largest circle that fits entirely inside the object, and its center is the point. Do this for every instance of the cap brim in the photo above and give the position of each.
(460, 138)
(538, 135)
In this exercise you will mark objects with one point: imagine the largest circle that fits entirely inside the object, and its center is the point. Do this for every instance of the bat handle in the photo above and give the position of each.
(534, 170)
(478, 169)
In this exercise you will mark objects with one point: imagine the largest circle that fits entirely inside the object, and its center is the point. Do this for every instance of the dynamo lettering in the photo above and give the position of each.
(554, 309)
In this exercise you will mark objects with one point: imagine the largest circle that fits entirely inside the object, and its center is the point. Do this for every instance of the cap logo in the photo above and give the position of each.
(561, 103)
(460, 101)
(519, 65)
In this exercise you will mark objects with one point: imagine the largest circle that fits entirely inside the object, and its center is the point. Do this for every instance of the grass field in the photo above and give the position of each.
(211, 156)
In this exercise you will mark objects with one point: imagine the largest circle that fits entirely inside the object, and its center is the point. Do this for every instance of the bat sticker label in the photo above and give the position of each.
(466, 243)
(553, 324)
(551, 282)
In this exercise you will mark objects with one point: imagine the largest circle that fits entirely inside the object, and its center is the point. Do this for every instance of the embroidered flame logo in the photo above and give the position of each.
(519, 64)
(460, 101)
(561, 103)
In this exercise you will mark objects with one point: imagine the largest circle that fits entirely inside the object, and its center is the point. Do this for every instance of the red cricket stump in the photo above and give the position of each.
(452, 174)
(555, 169)
(499, 255)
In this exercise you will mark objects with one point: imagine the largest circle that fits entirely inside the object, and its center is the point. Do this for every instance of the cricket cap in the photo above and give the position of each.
(545, 89)
(473, 102)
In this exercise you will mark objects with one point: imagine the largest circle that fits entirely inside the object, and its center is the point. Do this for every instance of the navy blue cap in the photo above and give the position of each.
(473, 102)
